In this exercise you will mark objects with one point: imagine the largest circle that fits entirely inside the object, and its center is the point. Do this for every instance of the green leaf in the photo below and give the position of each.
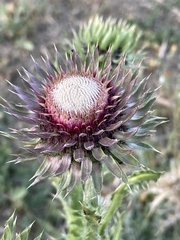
(10, 234)
(145, 175)
(39, 237)
(9, 228)
(24, 234)
(7, 234)
(11, 222)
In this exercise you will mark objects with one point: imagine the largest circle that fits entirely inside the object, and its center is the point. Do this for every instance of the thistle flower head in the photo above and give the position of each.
(121, 36)
(82, 118)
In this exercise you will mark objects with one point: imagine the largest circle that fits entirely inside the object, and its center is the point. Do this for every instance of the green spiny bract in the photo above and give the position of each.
(119, 36)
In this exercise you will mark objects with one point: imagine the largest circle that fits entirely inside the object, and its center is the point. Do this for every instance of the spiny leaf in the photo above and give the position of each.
(9, 232)
(39, 237)
(9, 228)
(140, 177)
(24, 235)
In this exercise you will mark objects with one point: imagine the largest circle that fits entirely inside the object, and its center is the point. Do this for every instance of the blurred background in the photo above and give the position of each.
(31, 28)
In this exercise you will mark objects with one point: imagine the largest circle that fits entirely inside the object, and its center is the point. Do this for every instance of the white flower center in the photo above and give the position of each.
(76, 100)
(76, 94)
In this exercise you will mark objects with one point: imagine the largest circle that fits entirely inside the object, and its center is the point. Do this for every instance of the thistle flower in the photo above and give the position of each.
(82, 118)
(120, 36)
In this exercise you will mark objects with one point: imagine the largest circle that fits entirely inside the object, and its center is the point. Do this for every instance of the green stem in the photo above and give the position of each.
(118, 228)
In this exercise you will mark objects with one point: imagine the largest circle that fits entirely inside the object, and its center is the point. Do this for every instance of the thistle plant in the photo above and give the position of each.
(121, 36)
(85, 116)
